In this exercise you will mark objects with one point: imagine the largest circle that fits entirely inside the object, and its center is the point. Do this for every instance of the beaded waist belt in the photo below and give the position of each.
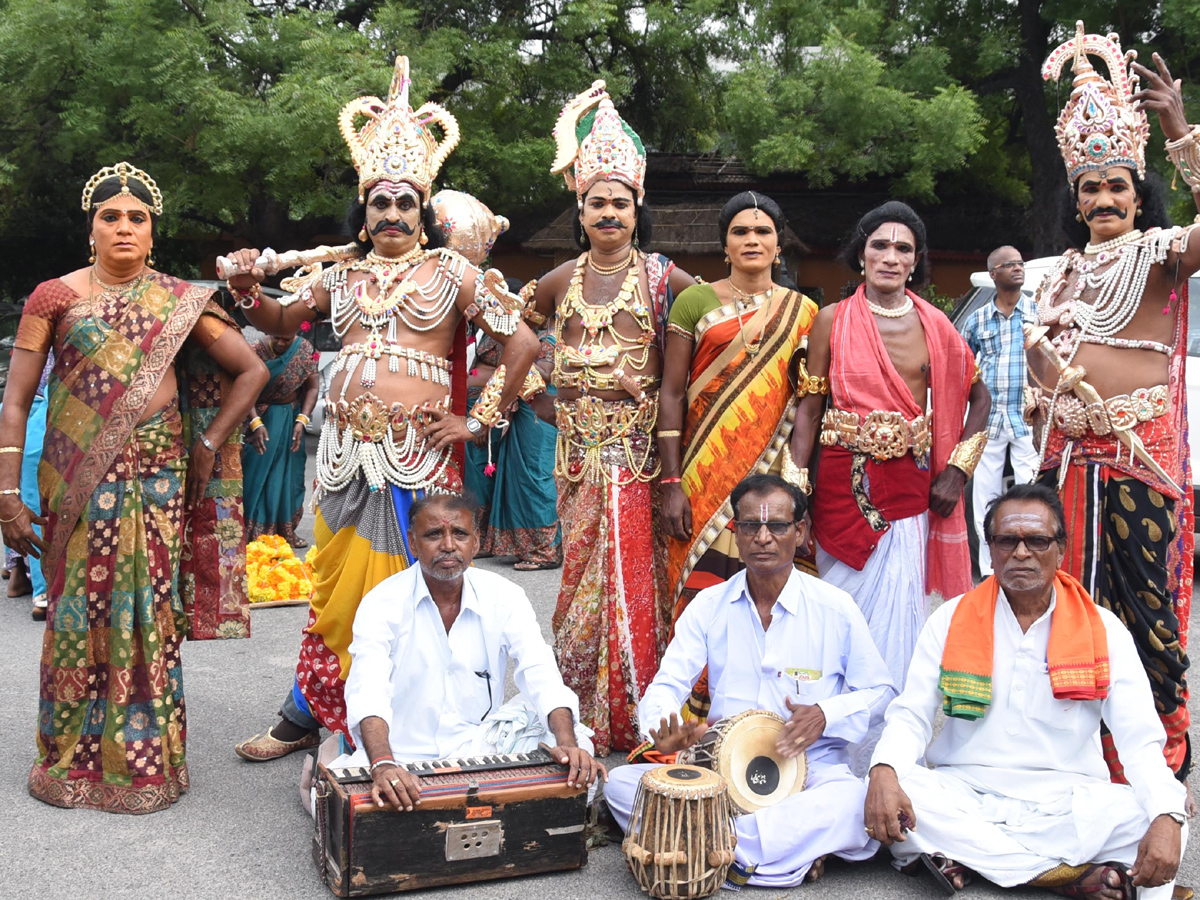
(595, 435)
(1074, 418)
(879, 434)
(425, 366)
(383, 443)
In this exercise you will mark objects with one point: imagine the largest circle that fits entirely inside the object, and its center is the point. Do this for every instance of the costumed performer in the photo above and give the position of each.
(609, 308)
(140, 480)
(274, 457)
(895, 452)
(777, 639)
(728, 399)
(396, 410)
(1025, 666)
(1114, 312)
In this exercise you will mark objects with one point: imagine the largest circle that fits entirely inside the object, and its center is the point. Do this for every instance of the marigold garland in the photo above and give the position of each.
(274, 573)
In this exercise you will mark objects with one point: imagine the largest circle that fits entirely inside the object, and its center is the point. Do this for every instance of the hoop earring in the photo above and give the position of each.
(362, 233)
(92, 247)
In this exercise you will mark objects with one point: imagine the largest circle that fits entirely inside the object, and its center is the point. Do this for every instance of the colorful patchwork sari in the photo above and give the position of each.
(130, 571)
(741, 409)
(274, 479)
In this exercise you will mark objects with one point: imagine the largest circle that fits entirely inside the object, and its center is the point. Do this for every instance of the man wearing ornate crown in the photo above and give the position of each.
(1109, 357)
(395, 415)
(610, 320)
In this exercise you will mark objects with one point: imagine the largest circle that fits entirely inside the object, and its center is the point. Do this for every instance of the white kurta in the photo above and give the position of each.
(890, 591)
(817, 650)
(1025, 788)
(440, 693)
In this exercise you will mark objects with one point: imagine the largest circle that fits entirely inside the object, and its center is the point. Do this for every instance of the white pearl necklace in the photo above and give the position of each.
(1120, 240)
(888, 312)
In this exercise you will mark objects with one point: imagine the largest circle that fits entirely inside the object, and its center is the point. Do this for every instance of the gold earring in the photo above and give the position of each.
(1078, 217)
(424, 238)
(778, 258)
(727, 259)
(1139, 212)
(92, 246)
(862, 268)
(362, 233)
(150, 257)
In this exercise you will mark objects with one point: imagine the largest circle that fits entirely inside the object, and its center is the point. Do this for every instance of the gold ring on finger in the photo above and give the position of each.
(393, 781)
(870, 830)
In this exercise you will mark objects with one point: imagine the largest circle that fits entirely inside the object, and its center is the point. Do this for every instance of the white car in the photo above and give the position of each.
(983, 290)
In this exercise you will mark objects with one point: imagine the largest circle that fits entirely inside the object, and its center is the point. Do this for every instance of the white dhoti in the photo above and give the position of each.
(890, 591)
(1011, 842)
(782, 841)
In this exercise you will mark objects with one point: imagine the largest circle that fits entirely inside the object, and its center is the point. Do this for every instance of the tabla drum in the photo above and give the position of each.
(741, 749)
(681, 839)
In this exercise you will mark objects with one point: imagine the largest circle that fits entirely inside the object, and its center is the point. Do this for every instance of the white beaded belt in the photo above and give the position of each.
(880, 434)
(382, 442)
(1074, 418)
(420, 364)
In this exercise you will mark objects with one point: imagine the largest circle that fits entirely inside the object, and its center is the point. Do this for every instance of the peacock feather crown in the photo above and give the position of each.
(1099, 127)
(396, 143)
(595, 144)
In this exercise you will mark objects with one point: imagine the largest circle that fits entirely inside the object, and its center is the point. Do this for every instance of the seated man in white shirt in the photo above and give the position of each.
(1026, 666)
(777, 639)
(429, 657)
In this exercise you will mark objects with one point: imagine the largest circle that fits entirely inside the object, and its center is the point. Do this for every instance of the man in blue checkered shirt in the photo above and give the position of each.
(995, 334)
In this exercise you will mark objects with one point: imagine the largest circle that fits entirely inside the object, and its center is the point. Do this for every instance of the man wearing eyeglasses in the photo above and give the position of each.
(777, 639)
(430, 653)
(995, 335)
(1025, 666)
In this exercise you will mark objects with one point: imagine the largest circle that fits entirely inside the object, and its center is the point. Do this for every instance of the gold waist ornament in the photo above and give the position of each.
(594, 435)
(882, 435)
(1074, 418)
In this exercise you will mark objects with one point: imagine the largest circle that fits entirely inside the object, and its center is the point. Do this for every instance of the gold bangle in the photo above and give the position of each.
(792, 473)
(303, 419)
(1184, 154)
(674, 432)
(12, 449)
(10, 491)
(256, 423)
(487, 408)
(966, 453)
(14, 518)
(809, 384)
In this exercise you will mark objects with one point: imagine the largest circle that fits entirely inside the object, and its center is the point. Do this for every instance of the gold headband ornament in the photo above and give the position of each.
(123, 171)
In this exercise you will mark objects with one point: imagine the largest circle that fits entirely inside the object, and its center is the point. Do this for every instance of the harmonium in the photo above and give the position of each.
(479, 818)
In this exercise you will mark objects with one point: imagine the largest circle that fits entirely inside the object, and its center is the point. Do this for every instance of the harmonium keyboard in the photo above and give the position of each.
(479, 818)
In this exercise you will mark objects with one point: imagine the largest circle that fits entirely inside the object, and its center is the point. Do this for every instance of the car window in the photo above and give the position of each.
(1193, 341)
(974, 299)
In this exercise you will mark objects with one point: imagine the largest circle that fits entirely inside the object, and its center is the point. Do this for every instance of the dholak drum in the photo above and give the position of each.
(680, 842)
(741, 749)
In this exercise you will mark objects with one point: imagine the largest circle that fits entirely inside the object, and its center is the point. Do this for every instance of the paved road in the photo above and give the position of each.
(240, 832)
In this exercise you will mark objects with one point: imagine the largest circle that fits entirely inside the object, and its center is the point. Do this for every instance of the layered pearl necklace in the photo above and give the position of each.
(889, 312)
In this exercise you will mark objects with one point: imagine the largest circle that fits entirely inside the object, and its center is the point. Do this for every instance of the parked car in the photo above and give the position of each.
(983, 290)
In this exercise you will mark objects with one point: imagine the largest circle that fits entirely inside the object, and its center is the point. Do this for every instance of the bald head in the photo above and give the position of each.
(1002, 254)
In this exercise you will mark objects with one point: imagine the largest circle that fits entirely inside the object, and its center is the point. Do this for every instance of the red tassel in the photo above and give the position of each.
(489, 470)
(1170, 300)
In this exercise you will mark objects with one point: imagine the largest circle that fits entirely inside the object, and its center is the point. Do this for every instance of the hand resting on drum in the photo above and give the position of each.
(801, 730)
(673, 736)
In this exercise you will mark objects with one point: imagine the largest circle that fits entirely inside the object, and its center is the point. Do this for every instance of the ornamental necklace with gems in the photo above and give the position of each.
(746, 302)
(613, 270)
(398, 294)
(109, 293)
(888, 312)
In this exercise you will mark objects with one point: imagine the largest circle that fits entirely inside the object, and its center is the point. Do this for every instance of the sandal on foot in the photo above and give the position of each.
(529, 566)
(1182, 892)
(815, 871)
(263, 747)
(38, 611)
(944, 870)
(1078, 889)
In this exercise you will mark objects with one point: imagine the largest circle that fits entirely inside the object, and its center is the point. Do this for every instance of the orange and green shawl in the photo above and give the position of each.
(741, 408)
(1077, 654)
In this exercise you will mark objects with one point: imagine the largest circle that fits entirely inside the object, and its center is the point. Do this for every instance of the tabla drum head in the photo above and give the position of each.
(678, 780)
(757, 774)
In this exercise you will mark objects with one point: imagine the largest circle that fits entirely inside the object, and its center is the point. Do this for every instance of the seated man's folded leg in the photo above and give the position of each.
(621, 790)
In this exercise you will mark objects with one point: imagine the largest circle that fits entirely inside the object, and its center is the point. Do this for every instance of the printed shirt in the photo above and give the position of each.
(817, 650)
(998, 342)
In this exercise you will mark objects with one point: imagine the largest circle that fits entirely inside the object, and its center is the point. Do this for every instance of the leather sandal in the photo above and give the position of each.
(264, 747)
(1080, 890)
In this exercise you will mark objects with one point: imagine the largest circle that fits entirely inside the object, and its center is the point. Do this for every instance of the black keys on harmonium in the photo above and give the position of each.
(480, 818)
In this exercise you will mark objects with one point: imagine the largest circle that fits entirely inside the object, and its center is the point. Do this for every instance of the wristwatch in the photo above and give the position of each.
(1180, 818)
(474, 426)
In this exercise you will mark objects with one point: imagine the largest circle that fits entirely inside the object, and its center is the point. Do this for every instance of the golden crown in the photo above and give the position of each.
(594, 143)
(1099, 127)
(395, 142)
(124, 171)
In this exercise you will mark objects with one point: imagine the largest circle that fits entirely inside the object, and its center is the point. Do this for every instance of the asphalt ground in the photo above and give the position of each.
(240, 831)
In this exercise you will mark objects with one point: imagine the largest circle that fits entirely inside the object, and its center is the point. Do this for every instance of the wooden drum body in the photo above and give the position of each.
(741, 749)
(681, 839)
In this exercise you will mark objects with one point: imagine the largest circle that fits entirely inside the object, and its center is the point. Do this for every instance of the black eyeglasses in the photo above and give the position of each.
(1038, 543)
(1013, 264)
(750, 529)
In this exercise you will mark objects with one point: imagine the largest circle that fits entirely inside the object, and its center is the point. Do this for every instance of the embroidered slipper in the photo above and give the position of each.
(1078, 889)
(527, 566)
(264, 747)
(944, 870)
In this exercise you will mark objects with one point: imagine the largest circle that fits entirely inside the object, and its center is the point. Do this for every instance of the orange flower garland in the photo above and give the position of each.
(274, 573)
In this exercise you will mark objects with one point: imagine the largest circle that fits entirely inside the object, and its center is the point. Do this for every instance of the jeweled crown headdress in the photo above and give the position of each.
(396, 142)
(124, 171)
(1099, 127)
(594, 143)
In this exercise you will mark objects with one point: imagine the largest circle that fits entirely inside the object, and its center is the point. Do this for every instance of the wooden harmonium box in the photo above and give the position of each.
(480, 818)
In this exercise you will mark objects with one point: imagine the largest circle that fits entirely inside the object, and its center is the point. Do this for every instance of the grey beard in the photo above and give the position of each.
(440, 575)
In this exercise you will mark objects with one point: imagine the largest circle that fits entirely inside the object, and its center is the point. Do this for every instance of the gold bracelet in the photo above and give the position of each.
(1184, 154)
(792, 473)
(14, 518)
(303, 419)
(12, 449)
(256, 423)
(487, 408)
(809, 384)
(966, 453)
(534, 384)
(10, 491)
(674, 432)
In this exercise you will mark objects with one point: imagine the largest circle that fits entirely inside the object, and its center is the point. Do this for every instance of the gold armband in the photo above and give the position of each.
(792, 473)
(978, 376)
(1185, 156)
(534, 318)
(501, 310)
(809, 384)
(487, 408)
(530, 314)
(534, 384)
(966, 453)
(672, 432)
